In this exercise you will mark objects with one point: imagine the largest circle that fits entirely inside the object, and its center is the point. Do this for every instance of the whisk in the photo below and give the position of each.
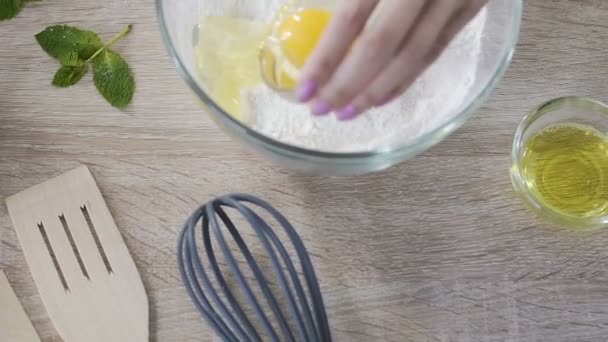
(220, 307)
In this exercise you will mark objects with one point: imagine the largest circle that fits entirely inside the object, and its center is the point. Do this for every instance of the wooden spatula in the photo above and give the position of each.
(14, 324)
(86, 277)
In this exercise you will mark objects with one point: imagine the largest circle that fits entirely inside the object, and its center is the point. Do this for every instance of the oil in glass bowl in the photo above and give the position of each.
(566, 167)
(560, 162)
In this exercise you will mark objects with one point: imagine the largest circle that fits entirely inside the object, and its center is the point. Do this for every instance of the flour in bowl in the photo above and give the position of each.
(435, 98)
(228, 63)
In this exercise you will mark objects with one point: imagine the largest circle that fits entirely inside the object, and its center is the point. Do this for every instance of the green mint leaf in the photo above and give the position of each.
(10, 8)
(68, 75)
(72, 59)
(61, 42)
(113, 78)
(76, 49)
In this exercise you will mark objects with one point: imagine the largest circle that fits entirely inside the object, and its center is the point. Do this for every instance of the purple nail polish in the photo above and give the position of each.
(320, 107)
(306, 90)
(348, 113)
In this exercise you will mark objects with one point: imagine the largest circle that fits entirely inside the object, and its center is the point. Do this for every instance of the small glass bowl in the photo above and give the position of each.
(571, 110)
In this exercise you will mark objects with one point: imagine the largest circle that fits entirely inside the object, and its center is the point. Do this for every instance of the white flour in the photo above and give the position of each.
(433, 100)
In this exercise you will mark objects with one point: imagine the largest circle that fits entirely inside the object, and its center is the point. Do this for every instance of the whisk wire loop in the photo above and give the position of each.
(221, 309)
(243, 283)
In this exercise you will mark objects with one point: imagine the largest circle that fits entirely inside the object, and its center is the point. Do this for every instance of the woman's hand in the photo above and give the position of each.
(407, 36)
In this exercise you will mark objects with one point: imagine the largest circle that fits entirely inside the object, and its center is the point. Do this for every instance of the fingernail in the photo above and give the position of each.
(347, 113)
(320, 107)
(385, 101)
(306, 90)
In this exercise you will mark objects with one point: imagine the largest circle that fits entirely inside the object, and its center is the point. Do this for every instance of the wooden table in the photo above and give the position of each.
(437, 249)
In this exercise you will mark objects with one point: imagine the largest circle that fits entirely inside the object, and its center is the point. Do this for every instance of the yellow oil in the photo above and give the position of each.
(566, 165)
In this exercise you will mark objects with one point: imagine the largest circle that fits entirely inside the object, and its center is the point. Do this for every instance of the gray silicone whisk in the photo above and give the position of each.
(302, 318)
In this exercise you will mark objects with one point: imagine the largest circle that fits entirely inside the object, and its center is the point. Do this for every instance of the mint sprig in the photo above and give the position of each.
(76, 49)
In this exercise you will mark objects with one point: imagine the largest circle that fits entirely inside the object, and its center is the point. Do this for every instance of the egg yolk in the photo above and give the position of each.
(300, 33)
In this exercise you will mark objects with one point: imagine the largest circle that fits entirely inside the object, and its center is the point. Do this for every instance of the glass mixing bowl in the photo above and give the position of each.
(179, 22)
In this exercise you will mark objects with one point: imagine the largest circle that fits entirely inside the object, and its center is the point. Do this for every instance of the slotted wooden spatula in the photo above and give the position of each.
(86, 277)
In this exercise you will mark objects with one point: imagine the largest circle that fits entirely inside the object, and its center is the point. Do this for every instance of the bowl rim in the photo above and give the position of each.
(545, 211)
(417, 146)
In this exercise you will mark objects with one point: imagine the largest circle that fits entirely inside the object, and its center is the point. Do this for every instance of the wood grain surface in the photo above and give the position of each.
(436, 249)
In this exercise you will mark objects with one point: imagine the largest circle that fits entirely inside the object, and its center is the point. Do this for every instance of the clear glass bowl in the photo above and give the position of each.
(179, 22)
(571, 110)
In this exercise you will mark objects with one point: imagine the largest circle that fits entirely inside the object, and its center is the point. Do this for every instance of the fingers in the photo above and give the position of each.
(375, 48)
(419, 51)
(463, 16)
(345, 26)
